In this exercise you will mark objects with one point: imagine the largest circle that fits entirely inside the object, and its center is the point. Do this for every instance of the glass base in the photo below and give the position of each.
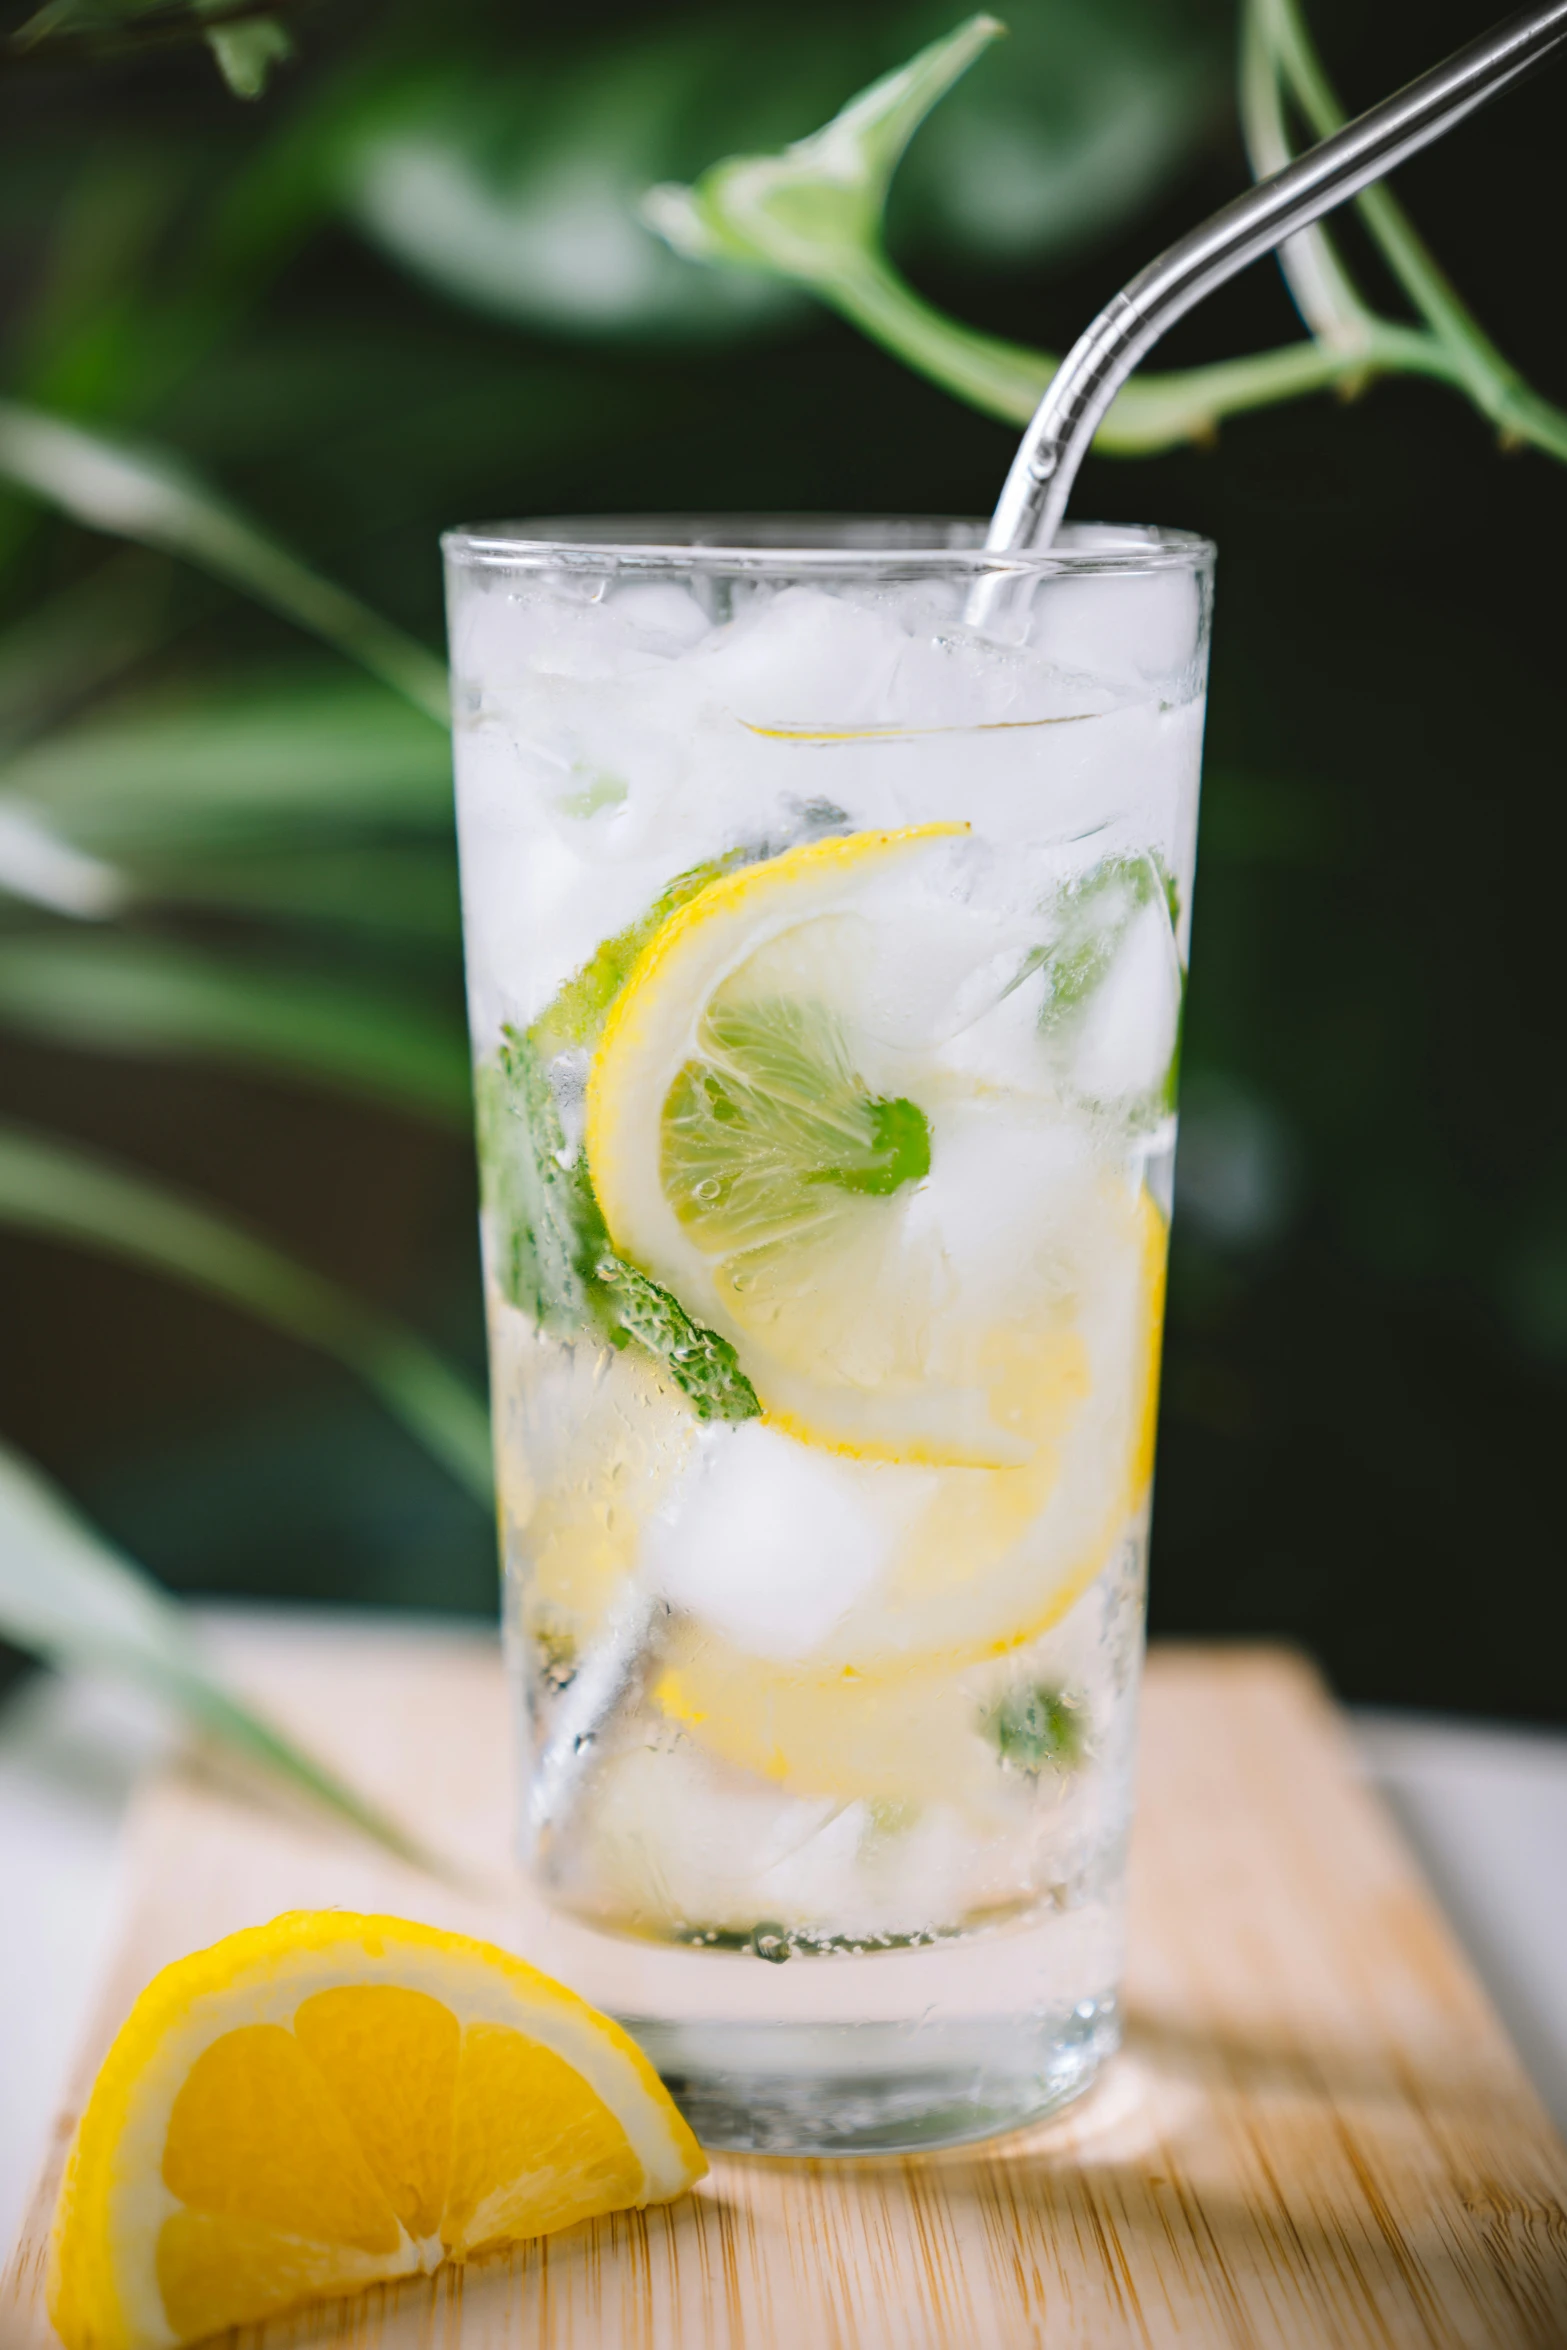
(875, 2088)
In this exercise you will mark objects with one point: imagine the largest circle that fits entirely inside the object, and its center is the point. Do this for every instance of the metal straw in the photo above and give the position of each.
(607, 1681)
(1029, 511)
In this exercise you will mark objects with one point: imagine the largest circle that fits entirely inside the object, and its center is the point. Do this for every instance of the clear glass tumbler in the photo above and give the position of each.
(826, 889)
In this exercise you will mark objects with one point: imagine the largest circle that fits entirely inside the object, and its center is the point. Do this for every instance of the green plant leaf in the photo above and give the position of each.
(704, 1367)
(1458, 349)
(71, 1598)
(546, 1227)
(137, 995)
(150, 497)
(815, 211)
(1094, 107)
(246, 53)
(39, 867)
(381, 890)
(76, 642)
(62, 1192)
(273, 758)
(1323, 291)
(813, 214)
(516, 193)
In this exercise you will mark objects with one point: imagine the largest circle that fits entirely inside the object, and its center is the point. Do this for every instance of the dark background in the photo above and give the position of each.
(1367, 1355)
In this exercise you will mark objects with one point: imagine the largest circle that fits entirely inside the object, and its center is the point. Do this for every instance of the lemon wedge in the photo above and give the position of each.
(330, 2101)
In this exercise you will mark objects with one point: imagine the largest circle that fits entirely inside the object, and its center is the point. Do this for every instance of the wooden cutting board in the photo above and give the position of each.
(1317, 2137)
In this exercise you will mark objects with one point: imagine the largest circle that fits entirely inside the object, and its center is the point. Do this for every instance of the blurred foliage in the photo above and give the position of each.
(74, 1600)
(256, 355)
(246, 40)
(813, 215)
(522, 194)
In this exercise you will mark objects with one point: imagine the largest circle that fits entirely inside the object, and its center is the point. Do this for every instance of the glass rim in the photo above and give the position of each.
(848, 542)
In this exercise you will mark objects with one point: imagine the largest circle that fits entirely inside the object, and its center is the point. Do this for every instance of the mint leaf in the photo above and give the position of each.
(1036, 1728)
(1093, 917)
(553, 1258)
(532, 1199)
(702, 1365)
(1089, 920)
(575, 1018)
(898, 1153)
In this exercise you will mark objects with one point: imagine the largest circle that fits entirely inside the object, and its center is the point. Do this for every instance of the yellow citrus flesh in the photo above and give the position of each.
(891, 1712)
(332, 2101)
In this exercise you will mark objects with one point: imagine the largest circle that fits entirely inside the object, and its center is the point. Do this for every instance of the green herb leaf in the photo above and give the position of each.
(553, 1254)
(1091, 919)
(1089, 923)
(1037, 1729)
(68, 1596)
(544, 1225)
(899, 1151)
(576, 1016)
(702, 1365)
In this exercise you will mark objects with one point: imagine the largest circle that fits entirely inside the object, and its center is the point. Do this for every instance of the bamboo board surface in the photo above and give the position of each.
(1317, 2137)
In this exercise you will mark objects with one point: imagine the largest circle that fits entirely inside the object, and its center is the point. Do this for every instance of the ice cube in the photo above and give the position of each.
(1127, 1039)
(682, 1840)
(804, 659)
(771, 1541)
(1126, 632)
(1007, 1178)
(662, 617)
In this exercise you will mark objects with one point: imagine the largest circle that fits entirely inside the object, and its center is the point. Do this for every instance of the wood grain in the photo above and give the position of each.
(1318, 2134)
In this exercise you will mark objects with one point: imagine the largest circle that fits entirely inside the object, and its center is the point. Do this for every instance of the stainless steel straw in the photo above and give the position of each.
(1029, 511)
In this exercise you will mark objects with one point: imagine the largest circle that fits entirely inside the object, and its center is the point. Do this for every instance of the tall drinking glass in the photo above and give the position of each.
(826, 890)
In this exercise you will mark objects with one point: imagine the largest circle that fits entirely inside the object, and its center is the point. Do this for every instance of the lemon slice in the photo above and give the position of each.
(886, 1707)
(767, 1128)
(319, 2104)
